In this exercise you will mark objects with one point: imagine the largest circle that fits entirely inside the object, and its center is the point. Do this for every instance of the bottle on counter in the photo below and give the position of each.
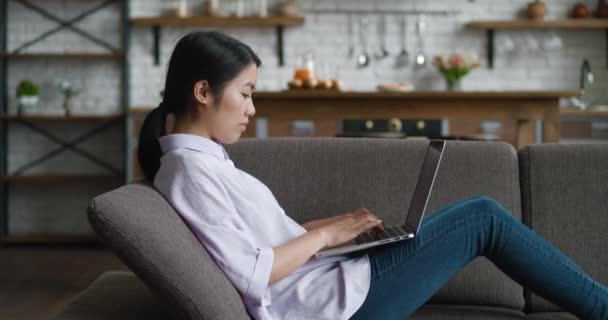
(239, 8)
(213, 8)
(177, 8)
(234, 8)
(262, 8)
(304, 73)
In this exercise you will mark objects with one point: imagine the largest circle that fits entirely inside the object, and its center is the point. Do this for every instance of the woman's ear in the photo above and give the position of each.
(201, 92)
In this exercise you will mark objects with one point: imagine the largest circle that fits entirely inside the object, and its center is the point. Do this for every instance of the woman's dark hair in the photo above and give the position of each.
(197, 56)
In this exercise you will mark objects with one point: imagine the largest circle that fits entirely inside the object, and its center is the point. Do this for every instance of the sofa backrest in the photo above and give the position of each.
(318, 177)
(311, 178)
(565, 200)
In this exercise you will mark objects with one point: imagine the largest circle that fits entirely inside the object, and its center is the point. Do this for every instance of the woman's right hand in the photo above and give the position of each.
(350, 227)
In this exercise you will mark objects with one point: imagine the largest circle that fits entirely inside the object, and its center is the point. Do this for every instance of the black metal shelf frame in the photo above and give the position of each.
(69, 24)
(71, 144)
(66, 145)
(3, 128)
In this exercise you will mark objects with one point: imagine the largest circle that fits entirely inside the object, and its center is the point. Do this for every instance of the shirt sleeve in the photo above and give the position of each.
(205, 204)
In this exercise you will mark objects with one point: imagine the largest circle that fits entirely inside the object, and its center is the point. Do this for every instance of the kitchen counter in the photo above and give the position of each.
(332, 94)
(525, 107)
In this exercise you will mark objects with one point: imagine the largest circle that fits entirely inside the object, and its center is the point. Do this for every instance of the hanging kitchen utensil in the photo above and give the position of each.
(351, 40)
(363, 59)
(382, 52)
(421, 58)
(403, 58)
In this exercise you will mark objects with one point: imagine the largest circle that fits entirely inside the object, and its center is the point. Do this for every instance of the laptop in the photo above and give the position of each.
(408, 230)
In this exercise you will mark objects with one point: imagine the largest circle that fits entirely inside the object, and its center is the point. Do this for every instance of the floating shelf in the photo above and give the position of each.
(218, 21)
(572, 24)
(58, 117)
(546, 24)
(272, 21)
(583, 113)
(60, 55)
(61, 178)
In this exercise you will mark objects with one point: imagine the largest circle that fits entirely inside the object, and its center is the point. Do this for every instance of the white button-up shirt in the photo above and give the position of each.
(239, 221)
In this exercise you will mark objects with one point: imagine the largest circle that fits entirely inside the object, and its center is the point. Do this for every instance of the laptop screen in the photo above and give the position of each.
(423, 186)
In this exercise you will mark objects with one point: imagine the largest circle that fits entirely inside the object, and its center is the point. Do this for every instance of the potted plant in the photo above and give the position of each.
(27, 95)
(68, 92)
(454, 67)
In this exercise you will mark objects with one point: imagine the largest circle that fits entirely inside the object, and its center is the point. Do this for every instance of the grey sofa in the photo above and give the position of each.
(561, 191)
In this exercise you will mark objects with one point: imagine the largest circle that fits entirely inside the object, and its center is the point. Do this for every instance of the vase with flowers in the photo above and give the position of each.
(454, 67)
(68, 92)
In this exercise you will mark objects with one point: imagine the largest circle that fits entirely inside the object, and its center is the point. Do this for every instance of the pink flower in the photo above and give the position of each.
(457, 60)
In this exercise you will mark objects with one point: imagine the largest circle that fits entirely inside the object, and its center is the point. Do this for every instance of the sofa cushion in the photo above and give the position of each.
(154, 242)
(115, 295)
(318, 177)
(466, 312)
(552, 316)
(565, 200)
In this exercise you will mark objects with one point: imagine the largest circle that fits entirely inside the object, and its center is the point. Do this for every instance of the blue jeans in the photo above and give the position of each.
(452, 237)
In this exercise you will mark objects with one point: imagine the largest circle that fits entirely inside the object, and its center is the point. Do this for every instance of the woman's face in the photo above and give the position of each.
(227, 120)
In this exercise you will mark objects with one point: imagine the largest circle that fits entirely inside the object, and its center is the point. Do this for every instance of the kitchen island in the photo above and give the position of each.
(525, 107)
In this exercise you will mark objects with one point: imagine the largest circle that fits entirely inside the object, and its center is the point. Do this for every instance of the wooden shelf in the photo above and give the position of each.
(271, 21)
(86, 55)
(523, 24)
(59, 117)
(546, 24)
(583, 113)
(49, 239)
(218, 21)
(61, 178)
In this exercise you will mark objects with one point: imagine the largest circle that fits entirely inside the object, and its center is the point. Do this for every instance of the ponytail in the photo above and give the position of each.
(148, 149)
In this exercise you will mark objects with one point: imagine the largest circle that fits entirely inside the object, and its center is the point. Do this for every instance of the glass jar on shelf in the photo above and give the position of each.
(213, 8)
(236, 8)
(304, 72)
(177, 8)
(305, 66)
(262, 8)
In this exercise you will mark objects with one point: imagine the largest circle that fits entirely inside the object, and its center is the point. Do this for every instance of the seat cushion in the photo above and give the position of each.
(565, 200)
(314, 178)
(115, 295)
(466, 312)
(552, 316)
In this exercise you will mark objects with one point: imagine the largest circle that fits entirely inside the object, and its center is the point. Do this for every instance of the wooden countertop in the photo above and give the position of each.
(331, 94)
(417, 95)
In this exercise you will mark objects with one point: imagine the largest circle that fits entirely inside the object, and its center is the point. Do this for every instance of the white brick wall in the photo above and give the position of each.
(56, 209)
(326, 35)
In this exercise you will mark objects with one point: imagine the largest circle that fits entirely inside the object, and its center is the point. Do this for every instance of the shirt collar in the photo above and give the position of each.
(194, 142)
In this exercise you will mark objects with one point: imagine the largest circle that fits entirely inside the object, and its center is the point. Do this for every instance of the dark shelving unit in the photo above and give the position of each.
(32, 121)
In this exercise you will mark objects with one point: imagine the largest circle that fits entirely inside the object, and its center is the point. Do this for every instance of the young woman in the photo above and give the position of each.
(269, 257)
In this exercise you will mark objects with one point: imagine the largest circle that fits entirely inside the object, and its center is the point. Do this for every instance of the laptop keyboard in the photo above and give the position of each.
(387, 233)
